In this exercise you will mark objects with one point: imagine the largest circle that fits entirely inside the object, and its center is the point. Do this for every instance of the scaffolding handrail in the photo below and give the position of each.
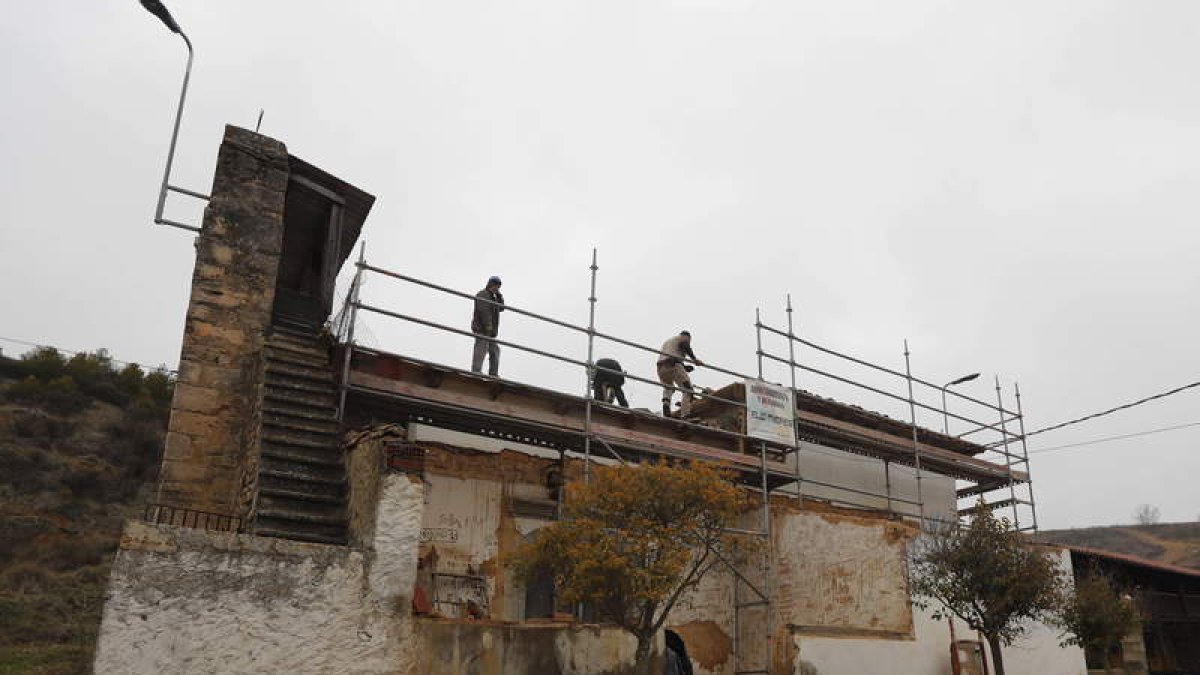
(557, 322)
(549, 355)
(470, 296)
(868, 387)
(884, 369)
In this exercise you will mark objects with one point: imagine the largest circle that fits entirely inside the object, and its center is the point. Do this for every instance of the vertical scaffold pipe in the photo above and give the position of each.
(887, 484)
(1025, 455)
(348, 348)
(590, 376)
(795, 400)
(1012, 485)
(758, 340)
(912, 412)
(768, 552)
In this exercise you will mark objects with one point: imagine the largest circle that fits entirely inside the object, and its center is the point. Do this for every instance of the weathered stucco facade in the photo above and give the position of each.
(189, 601)
(436, 513)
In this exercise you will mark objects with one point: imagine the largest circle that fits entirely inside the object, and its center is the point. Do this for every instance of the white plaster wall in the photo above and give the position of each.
(188, 601)
(843, 469)
(1038, 653)
(929, 653)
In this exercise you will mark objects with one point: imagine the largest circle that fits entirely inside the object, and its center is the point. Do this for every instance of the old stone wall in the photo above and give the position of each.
(212, 422)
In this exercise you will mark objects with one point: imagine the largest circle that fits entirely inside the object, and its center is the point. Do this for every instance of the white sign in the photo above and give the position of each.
(770, 412)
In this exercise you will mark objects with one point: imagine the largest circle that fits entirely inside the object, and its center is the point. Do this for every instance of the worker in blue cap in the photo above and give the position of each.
(485, 324)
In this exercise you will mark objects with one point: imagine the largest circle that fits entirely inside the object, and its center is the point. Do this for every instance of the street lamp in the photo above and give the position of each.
(945, 415)
(156, 8)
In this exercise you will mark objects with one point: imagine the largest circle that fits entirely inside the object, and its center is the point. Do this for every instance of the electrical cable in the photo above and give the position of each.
(1106, 439)
(1113, 410)
(71, 352)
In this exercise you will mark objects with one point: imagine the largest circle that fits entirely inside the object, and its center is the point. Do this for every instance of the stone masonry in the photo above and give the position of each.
(212, 423)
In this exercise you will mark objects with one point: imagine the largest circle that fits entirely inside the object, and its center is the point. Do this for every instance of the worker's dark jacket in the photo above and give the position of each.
(602, 377)
(486, 320)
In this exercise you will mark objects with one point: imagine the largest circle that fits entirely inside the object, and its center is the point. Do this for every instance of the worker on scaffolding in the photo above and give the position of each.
(608, 381)
(485, 324)
(673, 372)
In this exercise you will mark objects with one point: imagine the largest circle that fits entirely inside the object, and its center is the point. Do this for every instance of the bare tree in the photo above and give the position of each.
(1145, 514)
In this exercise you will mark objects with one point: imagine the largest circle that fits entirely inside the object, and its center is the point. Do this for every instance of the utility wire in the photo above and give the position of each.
(1115, 438)
(1113, 410)
(72, 352)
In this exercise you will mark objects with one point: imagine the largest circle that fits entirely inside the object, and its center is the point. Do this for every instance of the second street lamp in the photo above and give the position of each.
(945, 415)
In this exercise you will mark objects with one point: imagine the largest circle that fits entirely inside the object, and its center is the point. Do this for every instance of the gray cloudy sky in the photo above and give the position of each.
(1010, 186)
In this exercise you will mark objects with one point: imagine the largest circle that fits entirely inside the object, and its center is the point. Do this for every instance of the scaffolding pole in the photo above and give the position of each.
(912, 411)
(1025, 456)
(590, 377)
(352, 297)
(1012, 485)
(795, 402)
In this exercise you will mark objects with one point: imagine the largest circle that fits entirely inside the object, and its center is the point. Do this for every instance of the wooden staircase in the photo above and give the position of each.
(301, 473)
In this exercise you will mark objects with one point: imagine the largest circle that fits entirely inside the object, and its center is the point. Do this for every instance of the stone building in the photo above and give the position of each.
(327, 508)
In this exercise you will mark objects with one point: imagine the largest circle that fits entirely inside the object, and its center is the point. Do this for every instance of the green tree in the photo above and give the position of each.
(1098, 614)
(634, 539)
(130, 381)
(44, 363)
(988, 576)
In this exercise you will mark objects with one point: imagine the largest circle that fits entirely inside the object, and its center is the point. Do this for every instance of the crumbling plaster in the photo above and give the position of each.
(182, 600)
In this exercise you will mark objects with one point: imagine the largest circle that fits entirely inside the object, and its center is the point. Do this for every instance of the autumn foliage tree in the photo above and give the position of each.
(634, 539)
(988, 576)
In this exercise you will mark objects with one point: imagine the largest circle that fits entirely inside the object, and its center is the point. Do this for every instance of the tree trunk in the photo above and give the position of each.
(642, 655)
(997, 657)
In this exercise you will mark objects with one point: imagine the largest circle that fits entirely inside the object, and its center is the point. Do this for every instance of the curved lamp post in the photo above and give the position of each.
(945, 415)
(156, 8)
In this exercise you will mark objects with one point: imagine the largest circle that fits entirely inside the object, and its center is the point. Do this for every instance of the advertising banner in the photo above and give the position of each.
(770, 412)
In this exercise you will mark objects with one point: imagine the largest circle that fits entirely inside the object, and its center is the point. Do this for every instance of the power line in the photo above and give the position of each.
(1113, 410)
(71, 352)
(1106, 439)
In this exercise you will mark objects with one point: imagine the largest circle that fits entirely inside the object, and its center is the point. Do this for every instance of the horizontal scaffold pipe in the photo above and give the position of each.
(817, 371)
(652, 350)
(541, 317)
(868, 493)
(880, 368)
(471, 296)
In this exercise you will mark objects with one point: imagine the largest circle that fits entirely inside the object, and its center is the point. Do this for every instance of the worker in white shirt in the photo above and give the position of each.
(673, 373)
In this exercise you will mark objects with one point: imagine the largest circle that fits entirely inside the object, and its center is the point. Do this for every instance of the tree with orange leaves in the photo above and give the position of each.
(634, 539)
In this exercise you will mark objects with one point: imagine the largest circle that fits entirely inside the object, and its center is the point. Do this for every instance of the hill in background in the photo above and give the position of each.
(80, 443)
(1171, 543)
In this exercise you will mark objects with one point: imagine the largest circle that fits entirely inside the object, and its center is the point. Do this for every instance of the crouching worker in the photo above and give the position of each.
(607, 382)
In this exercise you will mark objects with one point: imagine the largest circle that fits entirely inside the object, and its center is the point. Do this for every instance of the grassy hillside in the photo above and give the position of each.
(1172, 543)
(80, 442)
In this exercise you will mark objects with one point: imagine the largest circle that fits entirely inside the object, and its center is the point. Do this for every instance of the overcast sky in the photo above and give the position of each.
(1010, 186)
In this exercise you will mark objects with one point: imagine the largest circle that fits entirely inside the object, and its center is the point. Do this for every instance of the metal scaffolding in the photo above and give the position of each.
(773, 474)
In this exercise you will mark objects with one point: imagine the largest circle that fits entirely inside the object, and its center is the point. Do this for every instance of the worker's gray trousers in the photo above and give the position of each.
(492, 350)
